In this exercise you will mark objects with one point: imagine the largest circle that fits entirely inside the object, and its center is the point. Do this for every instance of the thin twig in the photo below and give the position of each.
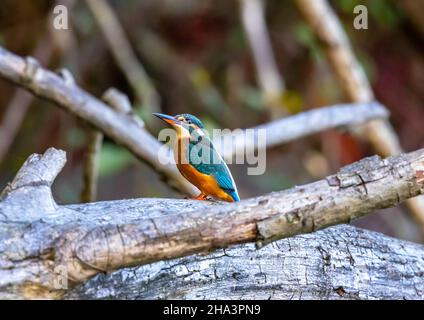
(120, 103)
(91, 165)
(118, 43)
(270, 80)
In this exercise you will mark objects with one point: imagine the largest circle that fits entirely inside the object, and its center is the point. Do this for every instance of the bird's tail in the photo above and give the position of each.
(235, 196)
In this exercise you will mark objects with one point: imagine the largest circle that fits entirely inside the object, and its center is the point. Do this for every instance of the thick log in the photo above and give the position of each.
(341, 262)
(46, 249)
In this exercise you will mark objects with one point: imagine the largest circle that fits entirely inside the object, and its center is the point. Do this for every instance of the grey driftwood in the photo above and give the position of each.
(170, 248)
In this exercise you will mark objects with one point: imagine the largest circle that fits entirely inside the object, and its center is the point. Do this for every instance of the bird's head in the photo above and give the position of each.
(182, 122)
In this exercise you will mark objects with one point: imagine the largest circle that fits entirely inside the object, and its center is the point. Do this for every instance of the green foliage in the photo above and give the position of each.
(202, 81)
(383, 12)
(272, 181)
(236, 39)
(251, 97)
(347, 6)
(113, 159)
(305, 36)
(76, 138)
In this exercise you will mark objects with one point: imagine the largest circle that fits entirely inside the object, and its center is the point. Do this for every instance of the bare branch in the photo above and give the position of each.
(123, 129)
(301, 125)
(33, 181)
(341, 262)
(21, 100)
(124, 55)
(120, 103)
(271, 82)
(91, 165)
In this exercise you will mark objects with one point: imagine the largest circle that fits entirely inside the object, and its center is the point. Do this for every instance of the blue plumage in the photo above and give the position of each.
(204, 158)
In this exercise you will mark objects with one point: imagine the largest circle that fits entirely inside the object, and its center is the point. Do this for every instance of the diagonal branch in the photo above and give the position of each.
(271, 82)
(354, 191)
(329, 30)
(124, 55)
(122, 128)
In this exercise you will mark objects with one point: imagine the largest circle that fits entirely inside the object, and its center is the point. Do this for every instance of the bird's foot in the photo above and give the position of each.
(201, 196)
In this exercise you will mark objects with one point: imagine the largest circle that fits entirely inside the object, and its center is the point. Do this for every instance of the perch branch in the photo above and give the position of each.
(160, 229)
(328, 29)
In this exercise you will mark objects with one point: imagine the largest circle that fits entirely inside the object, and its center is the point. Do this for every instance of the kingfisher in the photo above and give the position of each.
(198, 161)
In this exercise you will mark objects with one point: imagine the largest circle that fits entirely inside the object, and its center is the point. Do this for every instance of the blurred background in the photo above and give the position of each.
(195, 56)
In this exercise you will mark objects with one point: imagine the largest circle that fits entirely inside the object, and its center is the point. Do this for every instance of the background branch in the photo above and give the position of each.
(270, 80)
(123, 129)
(381, 135)
(124, 55)
(91, 165)
(301, 125)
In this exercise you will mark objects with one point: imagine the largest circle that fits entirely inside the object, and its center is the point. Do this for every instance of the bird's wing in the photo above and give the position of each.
(204, 158)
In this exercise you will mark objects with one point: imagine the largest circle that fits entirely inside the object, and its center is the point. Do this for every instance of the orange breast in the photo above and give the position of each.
(206, 184)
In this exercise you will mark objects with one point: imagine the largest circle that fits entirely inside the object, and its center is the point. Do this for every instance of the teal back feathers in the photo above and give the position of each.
(204, 158)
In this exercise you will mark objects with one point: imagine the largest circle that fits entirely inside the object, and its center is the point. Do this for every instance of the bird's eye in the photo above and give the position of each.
(189, 121)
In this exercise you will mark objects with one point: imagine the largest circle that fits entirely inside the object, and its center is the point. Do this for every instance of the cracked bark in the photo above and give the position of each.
(341, 262)
(37, 236)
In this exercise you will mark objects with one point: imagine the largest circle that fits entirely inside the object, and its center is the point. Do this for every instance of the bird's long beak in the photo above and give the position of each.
(168, 119)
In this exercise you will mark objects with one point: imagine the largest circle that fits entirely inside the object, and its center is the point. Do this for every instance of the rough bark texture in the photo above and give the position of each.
(341, 262)
(37, 236)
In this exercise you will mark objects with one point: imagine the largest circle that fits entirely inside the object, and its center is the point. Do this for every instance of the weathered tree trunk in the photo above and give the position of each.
(341, 262)
(47, 250)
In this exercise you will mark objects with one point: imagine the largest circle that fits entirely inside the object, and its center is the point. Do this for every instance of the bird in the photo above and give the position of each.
(198, 161)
